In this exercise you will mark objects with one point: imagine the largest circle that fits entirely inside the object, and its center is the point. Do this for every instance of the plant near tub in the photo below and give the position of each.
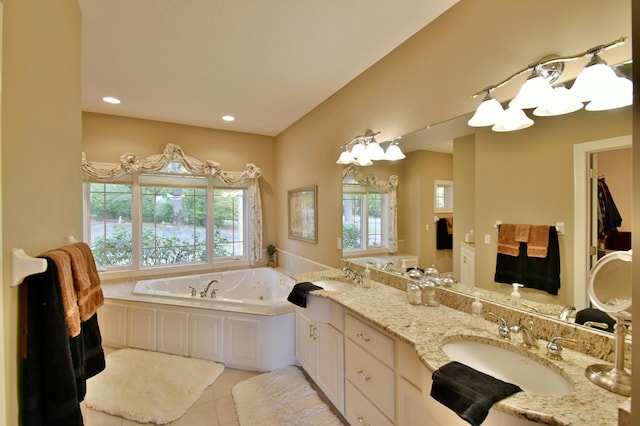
(271, 251)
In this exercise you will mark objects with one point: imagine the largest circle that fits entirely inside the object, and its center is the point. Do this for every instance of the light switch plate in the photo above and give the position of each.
(487, 238)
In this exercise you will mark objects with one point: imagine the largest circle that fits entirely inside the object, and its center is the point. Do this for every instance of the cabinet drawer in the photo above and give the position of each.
(370, 339)
(374, 379)
(359, 411)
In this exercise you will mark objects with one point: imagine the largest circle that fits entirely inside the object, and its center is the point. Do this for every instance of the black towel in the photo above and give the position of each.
(298, 295)
(50, 394)
(444, 240)
(532, 272)
(468, 392)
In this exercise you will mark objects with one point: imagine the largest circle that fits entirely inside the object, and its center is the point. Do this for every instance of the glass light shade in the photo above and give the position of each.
(394, 153)
(363, 161)
(358, 150)
(374, 151)
(618, 94)
(345, 157)
(487, 114)
(532, 93)
(591, 79)
(560, 101)
(512, 119)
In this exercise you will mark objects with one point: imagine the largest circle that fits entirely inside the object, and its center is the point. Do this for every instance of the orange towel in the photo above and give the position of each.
(86, 279)
(522, 233)
(62, 261)
(449, 225)
(507, 243)
(538, 241)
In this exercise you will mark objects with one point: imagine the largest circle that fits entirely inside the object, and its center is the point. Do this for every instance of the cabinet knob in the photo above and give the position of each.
(361, 420)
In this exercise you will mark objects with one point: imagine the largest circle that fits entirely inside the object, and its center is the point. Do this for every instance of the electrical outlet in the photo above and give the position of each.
(426, 227)
(487, 238)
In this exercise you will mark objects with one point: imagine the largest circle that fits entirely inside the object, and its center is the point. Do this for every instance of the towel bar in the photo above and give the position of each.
(23, 265)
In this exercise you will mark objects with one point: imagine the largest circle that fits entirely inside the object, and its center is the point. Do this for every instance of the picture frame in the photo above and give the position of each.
(303, 214)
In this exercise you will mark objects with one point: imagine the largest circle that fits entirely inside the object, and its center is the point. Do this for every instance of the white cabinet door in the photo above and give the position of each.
(306, 343)
(467, 265)
(112, 318)
(330, 364)
(173, 332)
(206, 336)
(141, 327)
(243, 343)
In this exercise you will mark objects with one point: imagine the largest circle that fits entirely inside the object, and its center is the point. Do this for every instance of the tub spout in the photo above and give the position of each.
(203, 293)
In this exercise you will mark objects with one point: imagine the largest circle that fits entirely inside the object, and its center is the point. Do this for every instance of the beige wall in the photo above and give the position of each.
(41, 146)
(617, 168)
(429, 79)
(464, 171)
(106, 137)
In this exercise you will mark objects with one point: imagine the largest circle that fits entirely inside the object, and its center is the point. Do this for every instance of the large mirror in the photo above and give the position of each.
(539, 175)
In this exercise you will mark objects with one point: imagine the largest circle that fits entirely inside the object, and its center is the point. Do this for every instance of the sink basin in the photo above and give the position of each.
(532, 376)
(334, 285)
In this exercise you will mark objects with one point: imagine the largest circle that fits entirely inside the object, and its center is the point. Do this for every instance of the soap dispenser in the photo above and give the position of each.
(515, 294)
(476, 321)
(366, 279)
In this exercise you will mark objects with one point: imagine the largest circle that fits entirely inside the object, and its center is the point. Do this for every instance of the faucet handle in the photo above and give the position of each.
(503, 328)
(602, 325)
(554, 350)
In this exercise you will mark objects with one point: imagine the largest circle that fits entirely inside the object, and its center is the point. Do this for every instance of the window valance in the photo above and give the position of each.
(131, 163)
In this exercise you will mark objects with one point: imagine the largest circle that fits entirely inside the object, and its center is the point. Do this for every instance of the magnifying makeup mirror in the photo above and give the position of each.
(610, 291)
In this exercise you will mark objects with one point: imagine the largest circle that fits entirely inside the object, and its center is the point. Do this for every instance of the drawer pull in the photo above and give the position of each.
(364, 376)
(363, 337)
(312, 332)
(361, 420)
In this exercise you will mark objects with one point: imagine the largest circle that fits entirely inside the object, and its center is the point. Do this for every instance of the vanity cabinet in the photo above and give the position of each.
(319, 347)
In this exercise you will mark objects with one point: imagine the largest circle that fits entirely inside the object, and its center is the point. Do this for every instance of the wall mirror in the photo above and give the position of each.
(509, 177)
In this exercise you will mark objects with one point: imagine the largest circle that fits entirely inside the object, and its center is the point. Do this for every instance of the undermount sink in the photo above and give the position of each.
(506, 365)
(334, 285)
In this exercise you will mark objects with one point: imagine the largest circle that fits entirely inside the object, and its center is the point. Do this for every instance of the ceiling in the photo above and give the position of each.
(267, 63)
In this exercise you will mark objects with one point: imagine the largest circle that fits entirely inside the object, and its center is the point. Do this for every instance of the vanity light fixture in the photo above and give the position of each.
(598, 85)
(363, 150)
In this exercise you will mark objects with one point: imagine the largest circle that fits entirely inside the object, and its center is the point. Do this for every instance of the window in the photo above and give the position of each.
(364, 217)
(180, 219)
(443, 196)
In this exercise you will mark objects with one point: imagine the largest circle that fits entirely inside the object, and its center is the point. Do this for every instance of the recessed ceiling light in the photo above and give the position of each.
(111, 100)
(228, 118)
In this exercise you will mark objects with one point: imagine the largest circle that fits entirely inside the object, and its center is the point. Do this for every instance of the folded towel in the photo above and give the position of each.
(85, 278)
(62, 261)
(449, 225)
(298, 295)
(522, 233)
(538, 242)
(468, 392)
(444, 238)
(507, 243)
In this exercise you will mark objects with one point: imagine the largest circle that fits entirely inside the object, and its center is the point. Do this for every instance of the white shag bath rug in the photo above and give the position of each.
(150, 387)
(282, 397)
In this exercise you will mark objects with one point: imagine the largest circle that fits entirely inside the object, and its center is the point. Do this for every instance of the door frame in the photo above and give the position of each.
(582, 187)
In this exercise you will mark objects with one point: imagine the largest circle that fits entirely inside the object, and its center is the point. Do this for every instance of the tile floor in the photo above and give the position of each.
(214, 408)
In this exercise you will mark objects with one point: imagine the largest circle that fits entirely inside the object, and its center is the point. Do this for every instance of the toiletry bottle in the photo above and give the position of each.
(515, 294)
(366, 279)
(404, 266)
(476, 321)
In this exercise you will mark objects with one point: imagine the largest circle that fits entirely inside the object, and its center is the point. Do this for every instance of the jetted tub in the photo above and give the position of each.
(260, 287)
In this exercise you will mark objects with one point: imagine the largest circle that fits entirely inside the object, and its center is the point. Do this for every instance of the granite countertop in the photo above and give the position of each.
(428, 328)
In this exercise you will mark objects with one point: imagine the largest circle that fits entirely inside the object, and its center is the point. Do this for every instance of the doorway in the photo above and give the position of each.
(585, 157)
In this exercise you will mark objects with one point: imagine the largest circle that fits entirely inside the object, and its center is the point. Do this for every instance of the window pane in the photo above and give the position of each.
(374, 230)
(110, 230)
(351, 224)
(173, 225)
(228, 222)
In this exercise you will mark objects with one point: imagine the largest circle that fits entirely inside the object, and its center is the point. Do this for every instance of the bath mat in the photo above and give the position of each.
(149, 387)
(282, 397)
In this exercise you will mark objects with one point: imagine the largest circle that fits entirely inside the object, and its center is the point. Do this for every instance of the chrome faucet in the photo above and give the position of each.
(353, 275)
(203, 293)
(503, 329)
(566, 311)
(529, 340)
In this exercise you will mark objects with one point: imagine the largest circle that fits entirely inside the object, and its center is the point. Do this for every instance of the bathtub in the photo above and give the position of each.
(248, 325)
(258, 287)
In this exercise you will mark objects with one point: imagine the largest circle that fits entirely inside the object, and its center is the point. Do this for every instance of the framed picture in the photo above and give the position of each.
(303, 213)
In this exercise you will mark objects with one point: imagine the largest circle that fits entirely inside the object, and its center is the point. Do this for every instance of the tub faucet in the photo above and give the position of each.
(203, 293)
(529, 340)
